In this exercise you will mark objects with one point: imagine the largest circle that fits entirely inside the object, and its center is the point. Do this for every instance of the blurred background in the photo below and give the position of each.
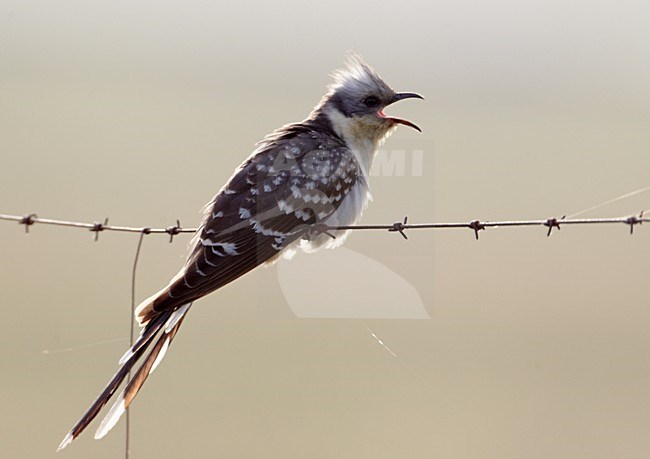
(514, 346)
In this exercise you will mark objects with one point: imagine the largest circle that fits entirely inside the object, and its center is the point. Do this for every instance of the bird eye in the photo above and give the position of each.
(371, 101)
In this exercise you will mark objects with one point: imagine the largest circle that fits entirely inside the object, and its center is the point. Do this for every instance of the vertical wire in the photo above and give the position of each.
(127, 439)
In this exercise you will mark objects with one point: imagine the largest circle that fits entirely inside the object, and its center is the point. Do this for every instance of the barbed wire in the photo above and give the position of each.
(399, 227)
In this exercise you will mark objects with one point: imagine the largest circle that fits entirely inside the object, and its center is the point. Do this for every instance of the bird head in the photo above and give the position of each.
(356, 101)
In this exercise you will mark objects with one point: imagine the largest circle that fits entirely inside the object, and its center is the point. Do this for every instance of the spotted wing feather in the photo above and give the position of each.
(295, 179)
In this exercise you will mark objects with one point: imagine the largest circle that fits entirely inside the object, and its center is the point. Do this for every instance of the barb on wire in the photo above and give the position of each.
(174, 230)
(97, 227)
(476, 226)
(27, 220)
(398, 227)
(553, 223)
(317, 229)
(634, 220)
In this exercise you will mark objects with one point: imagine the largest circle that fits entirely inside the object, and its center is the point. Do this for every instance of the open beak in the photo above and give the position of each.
(399, 96)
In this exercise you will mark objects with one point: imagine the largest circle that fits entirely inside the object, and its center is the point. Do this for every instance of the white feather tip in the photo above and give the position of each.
(114, 415)
(127, 355)
(66, 441)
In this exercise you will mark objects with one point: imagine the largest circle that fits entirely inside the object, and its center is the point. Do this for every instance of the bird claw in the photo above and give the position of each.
(318, 229)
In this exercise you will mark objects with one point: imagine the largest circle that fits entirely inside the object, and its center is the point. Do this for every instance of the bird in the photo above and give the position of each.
(300, 181)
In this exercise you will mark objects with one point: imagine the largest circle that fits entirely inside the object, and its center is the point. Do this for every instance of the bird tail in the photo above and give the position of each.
(167, 323)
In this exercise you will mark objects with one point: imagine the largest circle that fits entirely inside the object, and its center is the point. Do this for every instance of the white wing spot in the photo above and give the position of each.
(259, 228)
(229, 247)
(285, 207)
(302, 214)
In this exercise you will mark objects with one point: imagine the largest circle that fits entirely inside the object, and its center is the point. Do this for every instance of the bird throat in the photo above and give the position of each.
(362, 135)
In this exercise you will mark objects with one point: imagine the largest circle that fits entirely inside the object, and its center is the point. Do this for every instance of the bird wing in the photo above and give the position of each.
(292, 181)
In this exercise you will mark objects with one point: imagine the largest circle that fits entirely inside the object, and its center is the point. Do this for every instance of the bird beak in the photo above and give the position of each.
(399, 96)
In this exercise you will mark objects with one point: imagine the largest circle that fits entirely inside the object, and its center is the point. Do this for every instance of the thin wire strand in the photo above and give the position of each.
(610, 201)
(435, 390)
(83, 346)
(400, 227)
(127, 439)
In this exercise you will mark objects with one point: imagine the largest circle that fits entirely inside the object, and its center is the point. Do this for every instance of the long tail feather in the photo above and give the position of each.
(133, 387)
(147, 334)
(172, 321)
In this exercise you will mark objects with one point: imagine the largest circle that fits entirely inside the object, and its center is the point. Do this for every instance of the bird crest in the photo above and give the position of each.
(357, 77)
